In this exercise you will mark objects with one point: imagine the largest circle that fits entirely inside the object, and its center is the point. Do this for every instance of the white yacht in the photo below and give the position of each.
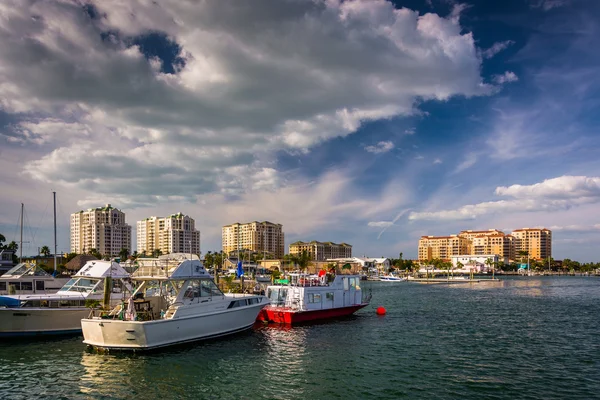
(176, 301)
(25, 278)
(61, 312)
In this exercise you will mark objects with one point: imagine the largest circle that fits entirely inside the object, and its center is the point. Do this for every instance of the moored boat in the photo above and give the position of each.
(391, 278)
(305, 298)
(25, 278)
(176, 301)
(61, 312)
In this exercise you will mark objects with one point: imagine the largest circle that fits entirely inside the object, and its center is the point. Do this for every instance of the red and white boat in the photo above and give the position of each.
(305, 298)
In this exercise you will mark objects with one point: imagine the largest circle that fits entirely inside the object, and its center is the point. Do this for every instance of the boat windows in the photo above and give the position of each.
(81, 285)
(15, 285)
(202, 288)
(314, 297)
(2, 285)
(26, 286)
(277, 296)
(329, 296)
(40, 285)
(238, 303)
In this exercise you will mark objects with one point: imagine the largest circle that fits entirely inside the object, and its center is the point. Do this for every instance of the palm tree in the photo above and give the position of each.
(123, 254)
(45, 251)
(489, 262)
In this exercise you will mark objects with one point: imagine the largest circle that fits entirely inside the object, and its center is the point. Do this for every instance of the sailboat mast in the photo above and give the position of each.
(54, 196)
(21, 241)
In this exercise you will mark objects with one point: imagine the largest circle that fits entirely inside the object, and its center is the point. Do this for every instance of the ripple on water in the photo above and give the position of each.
(518, 338)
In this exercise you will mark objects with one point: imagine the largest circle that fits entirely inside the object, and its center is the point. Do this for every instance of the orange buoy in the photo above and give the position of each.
(380, 310)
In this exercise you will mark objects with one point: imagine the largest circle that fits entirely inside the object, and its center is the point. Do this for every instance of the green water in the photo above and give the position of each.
(520, 338)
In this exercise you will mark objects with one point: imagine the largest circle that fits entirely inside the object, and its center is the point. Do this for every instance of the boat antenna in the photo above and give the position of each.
(21, 241)
(55, 247)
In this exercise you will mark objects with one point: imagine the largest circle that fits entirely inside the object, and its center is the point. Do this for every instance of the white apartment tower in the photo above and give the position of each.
(101, 228)
(173, 234)
(261, 237)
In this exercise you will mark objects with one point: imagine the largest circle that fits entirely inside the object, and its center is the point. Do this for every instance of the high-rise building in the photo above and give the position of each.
(101, 228)
(173, 234)
(491, 241)
(321, 251)
(537, 242)
(261, 237)
(442, 247)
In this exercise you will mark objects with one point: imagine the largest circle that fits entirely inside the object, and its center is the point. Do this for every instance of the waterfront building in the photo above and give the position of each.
(537, 242)
(477, 261)
(442, 247)
(173, 234)
(361, 264)
(261, 237)
(101, 228)
(491, 241)
(321, 251)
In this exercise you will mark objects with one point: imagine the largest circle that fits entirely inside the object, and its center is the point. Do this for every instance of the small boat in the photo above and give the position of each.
(25, 278)
(176, 301)
(391, 278)
(305, 298)
(263, 276)
(61, 312)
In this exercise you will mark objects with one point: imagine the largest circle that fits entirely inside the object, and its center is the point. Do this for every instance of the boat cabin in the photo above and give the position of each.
(171, 281)
(313, 292)
(25, 278)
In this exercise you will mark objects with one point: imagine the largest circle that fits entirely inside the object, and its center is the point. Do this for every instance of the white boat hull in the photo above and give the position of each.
(36, 321)
(145, 335)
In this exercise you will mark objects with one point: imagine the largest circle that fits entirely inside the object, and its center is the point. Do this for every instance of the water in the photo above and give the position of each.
(526, 338)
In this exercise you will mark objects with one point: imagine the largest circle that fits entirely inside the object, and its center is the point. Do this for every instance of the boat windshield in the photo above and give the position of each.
(277, 296)
(202, 288)
(80, 285)
(24, 269)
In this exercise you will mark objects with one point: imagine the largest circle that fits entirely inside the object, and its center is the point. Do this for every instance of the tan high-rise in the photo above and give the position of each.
(491, 241)
(321, 251)
(260, 237)
(102, 228)
(442, 247)
(536, 241)
(173, 234)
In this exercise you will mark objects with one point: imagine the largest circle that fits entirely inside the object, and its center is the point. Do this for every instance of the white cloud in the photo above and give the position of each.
(496, 48)
(560, 193)
(563, 187)
(381, 147)
(410, 131)
(145, 132)
(468, 161)
(507, 77)
(419, 157)
(576, 228)
(381, 224)
(549, 4)
(437, 161)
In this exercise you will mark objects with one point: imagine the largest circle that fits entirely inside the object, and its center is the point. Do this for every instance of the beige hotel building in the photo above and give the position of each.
(254, 236)
(321, 251)
(536, 241)
(101, 228)
(173, 234)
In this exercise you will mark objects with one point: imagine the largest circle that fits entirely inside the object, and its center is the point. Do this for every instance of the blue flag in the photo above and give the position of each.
(240, 269)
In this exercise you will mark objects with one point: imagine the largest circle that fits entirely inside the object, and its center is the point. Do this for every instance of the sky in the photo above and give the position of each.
(369, 122)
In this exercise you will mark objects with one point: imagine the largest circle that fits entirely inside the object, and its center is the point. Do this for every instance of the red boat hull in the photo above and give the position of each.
(283, 315)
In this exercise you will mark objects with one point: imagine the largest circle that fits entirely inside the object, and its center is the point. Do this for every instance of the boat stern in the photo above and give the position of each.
(113, 334)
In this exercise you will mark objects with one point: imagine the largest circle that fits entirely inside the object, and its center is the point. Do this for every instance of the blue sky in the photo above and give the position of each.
(366, 122)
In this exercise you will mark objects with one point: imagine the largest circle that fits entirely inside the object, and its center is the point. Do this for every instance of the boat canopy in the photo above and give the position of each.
(102, 269)
(24, 269)
(177, 267)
